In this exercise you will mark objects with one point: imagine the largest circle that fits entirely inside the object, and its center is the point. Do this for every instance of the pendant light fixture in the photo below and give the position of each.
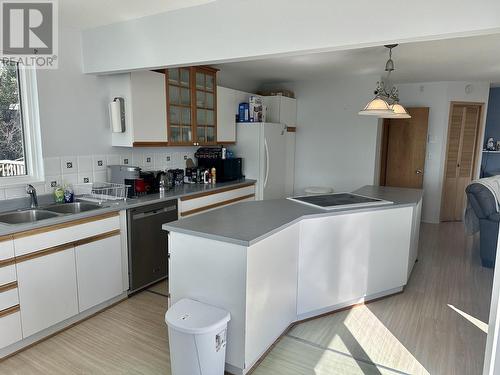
(385, 104)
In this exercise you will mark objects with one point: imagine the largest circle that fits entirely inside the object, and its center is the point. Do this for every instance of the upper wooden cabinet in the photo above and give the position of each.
(191, 106)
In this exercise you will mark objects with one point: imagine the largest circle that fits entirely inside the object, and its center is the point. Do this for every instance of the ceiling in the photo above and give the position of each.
(460, 59)
(84, 14)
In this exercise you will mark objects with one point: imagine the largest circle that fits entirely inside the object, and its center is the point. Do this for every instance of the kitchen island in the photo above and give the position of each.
(273, 263)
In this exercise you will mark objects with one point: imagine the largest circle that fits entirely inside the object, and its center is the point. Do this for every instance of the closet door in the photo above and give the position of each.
(460, 157)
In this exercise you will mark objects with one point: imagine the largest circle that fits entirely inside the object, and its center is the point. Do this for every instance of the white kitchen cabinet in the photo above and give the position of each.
(415, 234)
(226, 115)
(203, 202)
(145, 108)
(47, 290)
(271, 290)
(10, 328)
(99, 271)
(345, 258)
(228, 101)
(281, 109)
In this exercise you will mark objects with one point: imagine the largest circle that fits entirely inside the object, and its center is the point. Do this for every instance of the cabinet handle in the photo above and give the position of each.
(10, 310)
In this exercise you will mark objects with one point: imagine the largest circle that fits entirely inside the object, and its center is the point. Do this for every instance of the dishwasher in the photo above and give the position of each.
(147, 243)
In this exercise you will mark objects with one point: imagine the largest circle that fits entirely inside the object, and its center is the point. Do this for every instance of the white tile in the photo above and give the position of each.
(69, 164)
(113, 159)
(126, 159)
(52, 166)
(40, 187)
(84, 164)
(99, 163)
(85, 177)
(51, 182)
(15, 192)
(137, 159)
(2, 194)
(100, 176)
(148, 161)
(70, 179)
(160, 161)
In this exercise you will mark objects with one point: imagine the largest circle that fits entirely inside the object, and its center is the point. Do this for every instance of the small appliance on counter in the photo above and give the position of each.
(213, 157)
(139, 182)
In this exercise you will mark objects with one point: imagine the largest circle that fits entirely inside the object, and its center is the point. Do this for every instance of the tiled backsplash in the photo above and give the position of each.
(89, 168)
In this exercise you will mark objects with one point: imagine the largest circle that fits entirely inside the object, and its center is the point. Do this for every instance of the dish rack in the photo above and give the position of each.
(101, 192)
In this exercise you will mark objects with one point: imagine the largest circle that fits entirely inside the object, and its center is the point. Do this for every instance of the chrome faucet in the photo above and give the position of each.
(30, 190)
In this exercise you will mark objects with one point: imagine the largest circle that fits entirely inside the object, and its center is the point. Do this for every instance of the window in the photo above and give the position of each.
(20, 149)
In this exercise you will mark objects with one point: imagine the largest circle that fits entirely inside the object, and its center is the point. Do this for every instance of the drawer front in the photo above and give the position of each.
(51, 238)
(208, 202)
(10, 328)
(6, 249)
(7, 274)
(201, 211)
(9, 298)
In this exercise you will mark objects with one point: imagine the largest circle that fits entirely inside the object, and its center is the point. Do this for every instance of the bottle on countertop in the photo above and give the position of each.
(213, 175)
(206, 176)
(223, 152)
(68, 194)
(59, 194)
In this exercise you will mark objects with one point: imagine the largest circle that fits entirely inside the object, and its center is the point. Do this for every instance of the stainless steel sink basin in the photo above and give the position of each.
(73, 208)
(27, 216)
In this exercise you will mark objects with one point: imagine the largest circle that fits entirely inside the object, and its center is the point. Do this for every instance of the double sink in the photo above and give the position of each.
(47, 212)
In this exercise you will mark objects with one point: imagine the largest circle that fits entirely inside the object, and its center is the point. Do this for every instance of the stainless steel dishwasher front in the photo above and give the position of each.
(147, 243)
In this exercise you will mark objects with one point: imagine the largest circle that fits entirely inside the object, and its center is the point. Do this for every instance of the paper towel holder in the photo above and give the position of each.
(117, 115)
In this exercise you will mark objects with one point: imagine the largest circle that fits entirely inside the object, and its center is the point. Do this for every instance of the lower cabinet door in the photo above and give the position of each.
(99, 271)
(10, 329)
(47, 290)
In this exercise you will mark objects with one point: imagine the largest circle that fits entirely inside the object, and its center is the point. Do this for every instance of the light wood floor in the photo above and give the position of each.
(435, 327)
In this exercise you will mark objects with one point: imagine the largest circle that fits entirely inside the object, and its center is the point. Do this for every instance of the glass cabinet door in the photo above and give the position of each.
(205, 89)
(179, 102)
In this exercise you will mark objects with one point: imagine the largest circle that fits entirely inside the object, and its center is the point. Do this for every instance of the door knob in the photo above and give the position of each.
(418, 171)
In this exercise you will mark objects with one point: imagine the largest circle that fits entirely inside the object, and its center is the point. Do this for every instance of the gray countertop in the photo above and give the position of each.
(178, 192)
(247, 223)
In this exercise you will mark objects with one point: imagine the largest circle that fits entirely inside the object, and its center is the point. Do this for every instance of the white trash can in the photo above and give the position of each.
(197, 337)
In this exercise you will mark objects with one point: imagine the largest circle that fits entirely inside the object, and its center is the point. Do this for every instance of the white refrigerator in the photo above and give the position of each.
(268, 152)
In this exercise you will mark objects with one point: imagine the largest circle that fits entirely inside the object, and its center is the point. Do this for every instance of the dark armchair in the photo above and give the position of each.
(483, 203)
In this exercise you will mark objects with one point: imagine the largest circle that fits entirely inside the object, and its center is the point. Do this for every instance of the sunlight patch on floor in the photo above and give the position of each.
(360, 334)
(479, 324)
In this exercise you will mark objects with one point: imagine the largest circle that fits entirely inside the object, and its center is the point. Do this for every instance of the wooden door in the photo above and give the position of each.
(179, 106)
(403, 149)
(205, 108)
(463, 131)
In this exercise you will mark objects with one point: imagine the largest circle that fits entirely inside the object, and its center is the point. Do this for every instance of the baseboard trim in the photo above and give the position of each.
(230, 369)
(47, 333)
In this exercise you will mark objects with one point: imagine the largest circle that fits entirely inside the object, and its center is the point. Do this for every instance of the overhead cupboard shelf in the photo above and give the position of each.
(184, 107)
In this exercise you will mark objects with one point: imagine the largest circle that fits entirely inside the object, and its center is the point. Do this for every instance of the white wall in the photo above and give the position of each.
(437, 96)
(335, 146)
(226, 30)
(73, 106)
(75, 126)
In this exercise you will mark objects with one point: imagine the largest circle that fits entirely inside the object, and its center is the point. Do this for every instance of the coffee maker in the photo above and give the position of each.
(139, 182)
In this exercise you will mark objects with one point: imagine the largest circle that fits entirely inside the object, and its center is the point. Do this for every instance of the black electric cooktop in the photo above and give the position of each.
(339, 201)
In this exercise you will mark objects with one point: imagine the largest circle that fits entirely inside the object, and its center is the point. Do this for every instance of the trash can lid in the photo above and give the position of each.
(190, 316)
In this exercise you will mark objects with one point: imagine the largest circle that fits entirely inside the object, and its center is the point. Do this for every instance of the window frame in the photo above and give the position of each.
(31, 130)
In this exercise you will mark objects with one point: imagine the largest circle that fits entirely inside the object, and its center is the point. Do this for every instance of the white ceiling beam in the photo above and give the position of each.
(237, 30)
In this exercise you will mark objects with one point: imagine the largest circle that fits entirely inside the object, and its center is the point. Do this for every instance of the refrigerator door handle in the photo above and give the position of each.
(267, 162)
